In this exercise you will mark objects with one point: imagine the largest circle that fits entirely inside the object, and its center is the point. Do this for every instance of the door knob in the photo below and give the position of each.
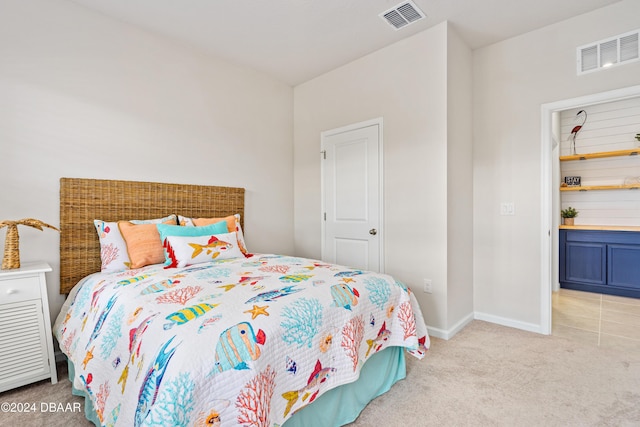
(373, 231)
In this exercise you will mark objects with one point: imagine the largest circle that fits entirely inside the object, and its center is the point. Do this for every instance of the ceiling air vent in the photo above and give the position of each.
(402, 15)
(607, 53)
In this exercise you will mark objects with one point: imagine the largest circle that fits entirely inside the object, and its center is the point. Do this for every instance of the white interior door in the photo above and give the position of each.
(352, 196)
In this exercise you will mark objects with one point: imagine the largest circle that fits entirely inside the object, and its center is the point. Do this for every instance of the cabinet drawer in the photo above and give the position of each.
(19, 289)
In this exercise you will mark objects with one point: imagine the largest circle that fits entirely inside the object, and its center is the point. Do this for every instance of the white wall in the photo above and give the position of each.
(511, 81)
(459, 182)
(405, 84)
(82, 95)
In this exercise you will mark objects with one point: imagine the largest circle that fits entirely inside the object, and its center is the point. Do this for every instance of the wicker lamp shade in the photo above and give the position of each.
(11, 258)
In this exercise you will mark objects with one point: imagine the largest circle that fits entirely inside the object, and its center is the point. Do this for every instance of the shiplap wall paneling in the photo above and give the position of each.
(607, 171)
(609, 127)
(612, 207)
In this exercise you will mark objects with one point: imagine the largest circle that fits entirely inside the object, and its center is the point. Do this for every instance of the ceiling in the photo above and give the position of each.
(297, 40)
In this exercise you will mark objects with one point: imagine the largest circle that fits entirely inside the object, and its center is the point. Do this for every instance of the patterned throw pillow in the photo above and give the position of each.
(178, 230)
(189, 250)
(233, 224)
(113, 249)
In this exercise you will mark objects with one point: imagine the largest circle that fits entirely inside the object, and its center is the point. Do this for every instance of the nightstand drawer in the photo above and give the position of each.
(19, 289)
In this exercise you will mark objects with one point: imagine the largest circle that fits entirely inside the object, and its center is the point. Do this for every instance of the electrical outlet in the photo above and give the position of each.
(428, 286)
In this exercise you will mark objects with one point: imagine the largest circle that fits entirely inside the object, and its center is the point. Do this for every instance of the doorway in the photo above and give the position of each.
(352, 199)
(550, 183)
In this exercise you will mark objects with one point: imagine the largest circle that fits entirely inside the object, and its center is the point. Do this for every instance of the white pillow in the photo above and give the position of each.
(188, 250)
(233, 224)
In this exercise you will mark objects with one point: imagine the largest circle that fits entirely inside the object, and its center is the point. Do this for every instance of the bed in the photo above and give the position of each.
(230, 338)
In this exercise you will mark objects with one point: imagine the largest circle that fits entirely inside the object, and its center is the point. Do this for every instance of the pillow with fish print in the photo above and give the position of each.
(178, 230)
(232, 221)
(113, 248)
(188, 250)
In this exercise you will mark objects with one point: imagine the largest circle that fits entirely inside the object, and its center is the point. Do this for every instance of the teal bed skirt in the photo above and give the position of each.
(336, 407)
(342, 405)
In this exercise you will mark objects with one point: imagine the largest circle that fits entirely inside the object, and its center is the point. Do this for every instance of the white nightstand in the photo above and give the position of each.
(26, 343)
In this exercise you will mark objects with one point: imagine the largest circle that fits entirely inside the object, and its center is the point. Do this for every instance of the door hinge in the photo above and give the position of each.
(325, 216)
(324, 154)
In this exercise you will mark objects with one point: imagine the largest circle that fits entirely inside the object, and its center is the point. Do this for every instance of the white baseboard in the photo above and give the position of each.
(530, 327)
(511, 323)
(448, 334)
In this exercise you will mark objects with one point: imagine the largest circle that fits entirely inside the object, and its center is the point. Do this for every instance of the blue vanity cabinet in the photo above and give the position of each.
(600, 261)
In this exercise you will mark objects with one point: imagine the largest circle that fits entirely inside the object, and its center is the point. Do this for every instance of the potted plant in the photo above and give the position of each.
(568, 215)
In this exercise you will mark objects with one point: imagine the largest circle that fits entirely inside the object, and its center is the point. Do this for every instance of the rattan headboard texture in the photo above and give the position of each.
(83, 200)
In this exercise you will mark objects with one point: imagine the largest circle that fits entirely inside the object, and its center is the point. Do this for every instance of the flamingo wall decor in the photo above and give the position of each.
(576, 129)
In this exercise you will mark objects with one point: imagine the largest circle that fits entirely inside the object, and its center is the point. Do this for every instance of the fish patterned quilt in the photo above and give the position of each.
(236, 342)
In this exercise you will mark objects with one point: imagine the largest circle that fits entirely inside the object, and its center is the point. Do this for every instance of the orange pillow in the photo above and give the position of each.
(143, 243)
(230, 220)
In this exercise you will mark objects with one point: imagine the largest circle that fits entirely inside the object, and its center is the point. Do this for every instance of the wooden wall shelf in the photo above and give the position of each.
(632, 152)
(601, 187)
(600, 227)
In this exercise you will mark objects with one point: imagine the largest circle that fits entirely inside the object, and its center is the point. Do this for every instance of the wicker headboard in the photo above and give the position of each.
(83, 200)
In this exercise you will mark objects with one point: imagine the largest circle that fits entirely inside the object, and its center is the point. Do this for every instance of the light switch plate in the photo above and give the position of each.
(507, 208)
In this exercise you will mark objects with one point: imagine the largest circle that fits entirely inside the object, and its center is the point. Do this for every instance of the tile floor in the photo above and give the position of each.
(602, 320)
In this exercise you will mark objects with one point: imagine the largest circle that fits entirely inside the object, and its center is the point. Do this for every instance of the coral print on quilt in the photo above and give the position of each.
(239, 341)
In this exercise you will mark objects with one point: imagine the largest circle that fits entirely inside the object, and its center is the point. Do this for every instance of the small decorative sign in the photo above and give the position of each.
(572, 181)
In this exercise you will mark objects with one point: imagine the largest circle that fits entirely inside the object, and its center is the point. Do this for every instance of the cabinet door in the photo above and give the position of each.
(624, 266)
(23, 350)
(586, 263)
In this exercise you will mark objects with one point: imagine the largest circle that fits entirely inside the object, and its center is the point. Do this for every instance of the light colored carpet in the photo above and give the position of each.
(490, 375)
(487, 375)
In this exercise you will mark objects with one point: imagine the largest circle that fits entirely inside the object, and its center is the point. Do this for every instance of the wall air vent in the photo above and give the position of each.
(610, 52)
(402, 15)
